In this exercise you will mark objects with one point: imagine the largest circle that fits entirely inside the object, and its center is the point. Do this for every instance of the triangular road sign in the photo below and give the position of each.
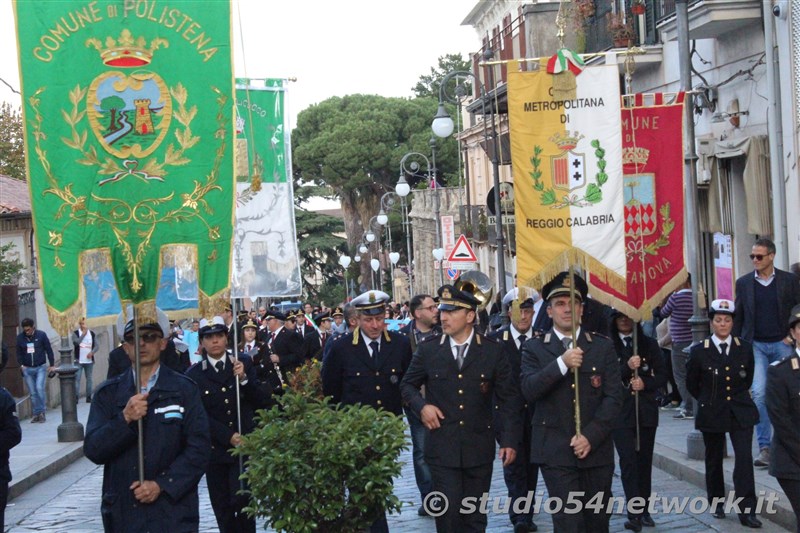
(462, 252)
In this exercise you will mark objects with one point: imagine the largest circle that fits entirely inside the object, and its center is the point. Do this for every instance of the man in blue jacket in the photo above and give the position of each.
(176, 441)
(33, 354)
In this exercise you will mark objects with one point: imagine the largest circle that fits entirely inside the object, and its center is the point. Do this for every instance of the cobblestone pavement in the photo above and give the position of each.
(69, 503)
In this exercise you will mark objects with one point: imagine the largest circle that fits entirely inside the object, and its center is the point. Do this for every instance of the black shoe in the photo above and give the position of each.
(719, 513)
(521, 527)
(35, 419)
(421, 511)
(88, 399)
(749, 520)
(634, 524)
(647, 521)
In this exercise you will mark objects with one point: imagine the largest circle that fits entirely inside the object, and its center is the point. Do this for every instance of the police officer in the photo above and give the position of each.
(366, 366)
(783, 404)
(10, 436)
(719, 373)
(175, 434)
(570, 462)
(285, 346)
(642, 372)
(216, 377)
(269, 375)
(521, 476)
(463, 372)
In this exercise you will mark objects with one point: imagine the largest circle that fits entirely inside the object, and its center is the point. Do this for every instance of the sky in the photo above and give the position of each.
(333, 48)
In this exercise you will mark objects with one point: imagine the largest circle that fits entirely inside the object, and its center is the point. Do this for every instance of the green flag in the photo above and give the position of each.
(129, 132)
(265, 258)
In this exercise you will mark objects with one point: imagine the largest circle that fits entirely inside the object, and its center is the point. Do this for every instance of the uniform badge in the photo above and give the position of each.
(486, 387)
(393, 380)
(795, 363)
(742, 373)
(645, 367)
(596, 381)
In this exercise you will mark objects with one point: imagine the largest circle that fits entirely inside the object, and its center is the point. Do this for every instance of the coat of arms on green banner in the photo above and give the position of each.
(129, 133)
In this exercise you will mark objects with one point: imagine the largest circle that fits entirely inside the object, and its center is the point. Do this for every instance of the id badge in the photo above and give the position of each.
(31, 349)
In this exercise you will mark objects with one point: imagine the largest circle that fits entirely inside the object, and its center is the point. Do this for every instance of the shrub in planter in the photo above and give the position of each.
(314, 467)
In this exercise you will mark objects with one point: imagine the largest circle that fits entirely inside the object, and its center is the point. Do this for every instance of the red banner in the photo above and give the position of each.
(652, 166)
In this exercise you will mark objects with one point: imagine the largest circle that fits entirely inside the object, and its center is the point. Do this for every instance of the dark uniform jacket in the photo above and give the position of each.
(288, 346)
(505, 337)
(265, 370)
(554, 419)
(218, 394)
(350, 374)
(722, 386)
(783, 406)
(10, 432)
(788, 289)
(466, 437)
(176, 452)
(312, 344)
(652, 372)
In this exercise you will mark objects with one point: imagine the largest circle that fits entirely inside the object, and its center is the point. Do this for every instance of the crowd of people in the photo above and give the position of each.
(551, 383)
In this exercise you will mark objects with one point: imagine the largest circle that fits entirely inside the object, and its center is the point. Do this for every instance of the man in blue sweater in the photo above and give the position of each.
(33, 354)
(764, 300)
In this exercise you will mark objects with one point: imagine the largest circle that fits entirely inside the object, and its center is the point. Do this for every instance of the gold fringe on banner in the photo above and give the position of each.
(64, 322)
(576, 256)
(213, 305)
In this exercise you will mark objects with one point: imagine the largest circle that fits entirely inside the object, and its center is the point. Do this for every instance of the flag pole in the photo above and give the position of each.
(137, 361)
(236, 380)
(636, 376)
(574, 325)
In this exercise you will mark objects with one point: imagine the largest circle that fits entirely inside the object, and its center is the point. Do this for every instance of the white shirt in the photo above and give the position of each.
(764, 282)
(515, 334)
(85, 348)
(717, 341)
(453, 345)
(367, 340)
(561, 364)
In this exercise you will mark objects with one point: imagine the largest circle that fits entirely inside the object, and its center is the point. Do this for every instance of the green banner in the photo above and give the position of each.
(129, 132)
(266, 262)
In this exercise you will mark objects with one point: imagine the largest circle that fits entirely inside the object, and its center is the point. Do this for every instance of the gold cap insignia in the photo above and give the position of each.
(372, 297)
(446, 293)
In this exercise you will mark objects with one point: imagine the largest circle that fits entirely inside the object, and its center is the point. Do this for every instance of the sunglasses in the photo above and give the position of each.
(431, 307)
(146, 337)
(758, 257)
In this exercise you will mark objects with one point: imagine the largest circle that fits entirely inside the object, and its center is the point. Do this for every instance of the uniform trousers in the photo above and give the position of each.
(223, 487)
(743, 477)
(521, 477)
(582, 484)
(791, 487)
(636, 468)
(457, 484)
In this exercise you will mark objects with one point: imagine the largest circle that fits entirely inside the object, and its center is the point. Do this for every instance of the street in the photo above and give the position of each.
(69, 502)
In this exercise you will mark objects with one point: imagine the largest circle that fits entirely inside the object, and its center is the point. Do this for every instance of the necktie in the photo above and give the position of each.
(522, 338)
(374, 347)
(723, 348)
(628, 342)
(220, 366)
(567, 342)
(460, 349)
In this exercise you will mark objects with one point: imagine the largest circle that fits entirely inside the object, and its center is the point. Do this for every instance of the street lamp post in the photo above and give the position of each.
(443, 127)
(344, 261)
(403, 189)
(436, 208)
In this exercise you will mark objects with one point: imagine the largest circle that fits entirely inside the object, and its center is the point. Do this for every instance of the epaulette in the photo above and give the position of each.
(589, 337)
(737, 341)
(601, 335)
(478, 339)
(793, 358)
(441, 341)
(356, 336)
(386, 335)
(706, 343)
(547, 338)
(505, 335)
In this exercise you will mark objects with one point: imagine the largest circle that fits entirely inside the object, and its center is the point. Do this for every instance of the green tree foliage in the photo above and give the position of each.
(10, 269)
(313, 468)
(319, 248)
(112, 104)
(12, 146)
(352, 147)
(428, 84)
